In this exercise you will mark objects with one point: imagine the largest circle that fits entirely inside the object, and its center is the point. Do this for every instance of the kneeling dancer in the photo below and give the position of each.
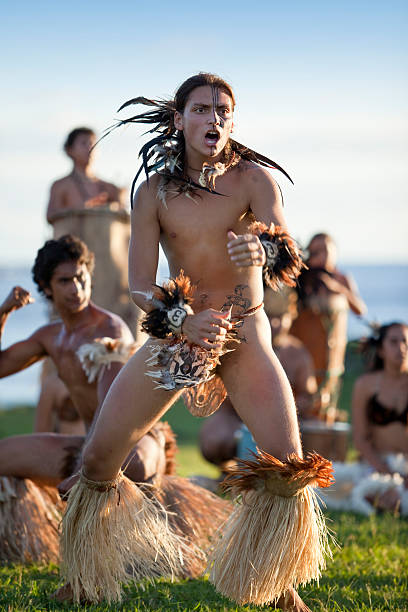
(218, 216)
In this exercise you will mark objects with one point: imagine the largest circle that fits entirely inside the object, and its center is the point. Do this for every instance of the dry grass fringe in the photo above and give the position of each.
(196, 514)
(274, 540)
(113, 533)
(29, 522)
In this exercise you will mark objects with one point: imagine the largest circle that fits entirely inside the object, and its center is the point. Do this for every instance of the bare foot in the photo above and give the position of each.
(291, 602)
(64, 593)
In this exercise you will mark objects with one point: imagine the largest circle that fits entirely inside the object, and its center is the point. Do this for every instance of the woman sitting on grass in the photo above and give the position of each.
(380, 429)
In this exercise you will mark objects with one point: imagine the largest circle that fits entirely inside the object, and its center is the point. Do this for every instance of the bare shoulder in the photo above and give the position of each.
(62, 183)
(146, 194)
(367, 383)
(255, 175)
(110, 325)
(47, 333)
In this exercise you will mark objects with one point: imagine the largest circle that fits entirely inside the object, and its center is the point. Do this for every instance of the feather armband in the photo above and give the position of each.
(171, 306)
(283, 257)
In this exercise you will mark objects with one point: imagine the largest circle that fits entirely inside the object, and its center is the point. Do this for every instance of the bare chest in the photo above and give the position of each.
(63, 351)
(77, 192)
(206, 218)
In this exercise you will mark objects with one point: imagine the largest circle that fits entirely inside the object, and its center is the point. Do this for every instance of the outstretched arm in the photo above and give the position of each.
(21, 354)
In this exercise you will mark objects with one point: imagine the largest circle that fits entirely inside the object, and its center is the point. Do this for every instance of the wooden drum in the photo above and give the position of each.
(331, 441)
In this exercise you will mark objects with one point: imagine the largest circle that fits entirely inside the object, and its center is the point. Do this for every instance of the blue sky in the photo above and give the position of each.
(321, 88)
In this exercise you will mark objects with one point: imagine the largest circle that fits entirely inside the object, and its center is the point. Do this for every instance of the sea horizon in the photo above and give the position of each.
(384, 288)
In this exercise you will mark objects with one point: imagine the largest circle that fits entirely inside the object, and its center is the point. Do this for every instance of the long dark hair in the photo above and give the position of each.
(370, 347)
(165, 153)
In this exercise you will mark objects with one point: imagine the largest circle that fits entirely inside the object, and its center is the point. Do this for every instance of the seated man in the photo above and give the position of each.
(88, 346)
(81, 188)
(55, 410)
(62, 271)
(220, 432)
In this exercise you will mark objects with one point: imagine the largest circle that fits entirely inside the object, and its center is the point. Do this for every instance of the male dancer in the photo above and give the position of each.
(201, 206)
(88, 347)
(62, 271)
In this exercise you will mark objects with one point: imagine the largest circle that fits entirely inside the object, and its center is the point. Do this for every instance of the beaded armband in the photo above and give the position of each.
(171, 306)
(283, 258)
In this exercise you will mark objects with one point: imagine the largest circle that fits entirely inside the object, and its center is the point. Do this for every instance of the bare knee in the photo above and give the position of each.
(94, 463)
(217, 440)
(145, 460)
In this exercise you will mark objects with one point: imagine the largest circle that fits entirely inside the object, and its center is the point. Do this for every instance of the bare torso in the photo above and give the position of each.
(77, 192)
(194, 238)
(62, 345)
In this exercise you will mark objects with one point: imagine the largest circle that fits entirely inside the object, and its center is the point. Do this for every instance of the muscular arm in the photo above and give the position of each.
(22, 354)
(361, 433)
(265, 197)
(144, 244)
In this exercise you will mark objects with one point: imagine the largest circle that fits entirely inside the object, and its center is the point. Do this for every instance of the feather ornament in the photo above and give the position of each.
(286, 263)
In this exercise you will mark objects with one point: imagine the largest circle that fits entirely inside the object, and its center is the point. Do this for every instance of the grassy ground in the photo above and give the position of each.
(369, 572)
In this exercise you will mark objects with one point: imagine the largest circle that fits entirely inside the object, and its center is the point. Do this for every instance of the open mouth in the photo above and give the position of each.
(212, 137)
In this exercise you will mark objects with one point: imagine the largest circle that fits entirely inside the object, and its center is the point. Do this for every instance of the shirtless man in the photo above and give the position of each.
(209, 236)
(55, 410)
(218, 435)
(62, 271)
(81, 188)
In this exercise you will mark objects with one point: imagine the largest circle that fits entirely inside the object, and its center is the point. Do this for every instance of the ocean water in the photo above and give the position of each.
(384, 288)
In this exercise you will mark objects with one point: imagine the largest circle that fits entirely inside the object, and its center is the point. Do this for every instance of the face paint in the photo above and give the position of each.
(217, 118)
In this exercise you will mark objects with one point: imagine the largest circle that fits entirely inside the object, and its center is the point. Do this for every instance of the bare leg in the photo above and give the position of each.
(130, 409)
(260, 391)
(217, 440)
(39, 457)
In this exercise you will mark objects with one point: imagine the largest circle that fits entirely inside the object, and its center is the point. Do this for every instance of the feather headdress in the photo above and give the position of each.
(165, 153)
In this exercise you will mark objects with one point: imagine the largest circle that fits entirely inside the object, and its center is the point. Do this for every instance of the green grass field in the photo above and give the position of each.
(369, 571)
